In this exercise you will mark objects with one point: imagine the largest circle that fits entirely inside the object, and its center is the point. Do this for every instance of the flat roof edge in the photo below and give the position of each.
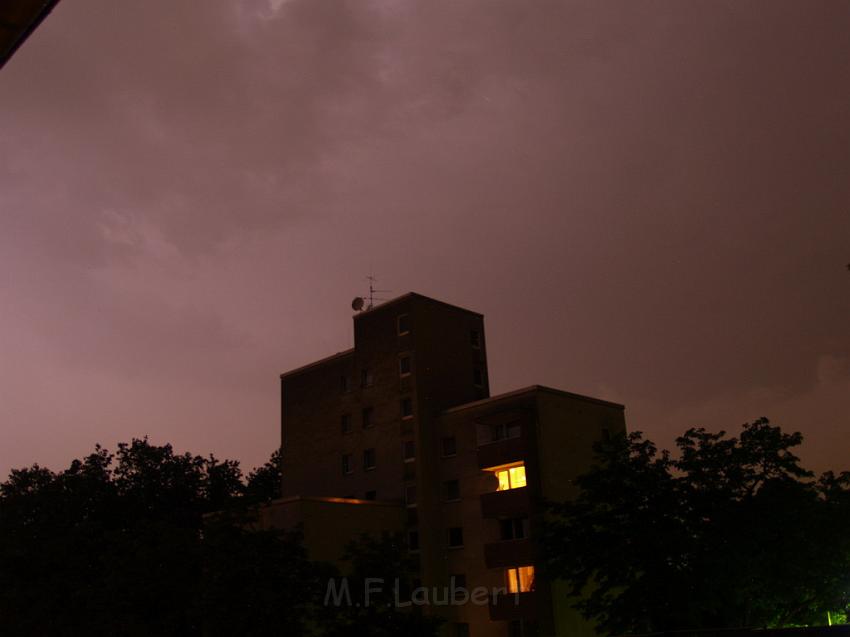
(531, 389)
(333, 500)
(420, 296)
(318, 363)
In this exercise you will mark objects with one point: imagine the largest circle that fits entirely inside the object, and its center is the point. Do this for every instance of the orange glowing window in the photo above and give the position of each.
(520, 580)
(511, 478)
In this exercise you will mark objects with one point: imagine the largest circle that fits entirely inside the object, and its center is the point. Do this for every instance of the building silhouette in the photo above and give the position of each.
(400, 433)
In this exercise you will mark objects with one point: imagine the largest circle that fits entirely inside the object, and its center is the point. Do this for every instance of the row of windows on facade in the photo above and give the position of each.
(403, 328)
(509, 529)
(367, 416)
(367, 378)
(408, 454)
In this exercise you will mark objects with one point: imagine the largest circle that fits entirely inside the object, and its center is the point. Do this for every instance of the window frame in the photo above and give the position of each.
(370, 455)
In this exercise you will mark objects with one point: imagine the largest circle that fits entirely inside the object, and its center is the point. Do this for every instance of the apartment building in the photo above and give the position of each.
(401, 433)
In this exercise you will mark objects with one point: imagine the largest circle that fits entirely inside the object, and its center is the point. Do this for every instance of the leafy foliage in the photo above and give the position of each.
(732, 532)
(149, 542)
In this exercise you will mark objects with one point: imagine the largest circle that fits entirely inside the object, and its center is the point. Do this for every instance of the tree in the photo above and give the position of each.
(264, 482)
(732, 532)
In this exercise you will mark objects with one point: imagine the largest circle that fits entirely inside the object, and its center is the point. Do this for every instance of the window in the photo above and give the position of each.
(451, 490)
(370, 495)
(366, 378)
(403, 323)
(344, 384)
(478, 377)
(413, 540)
(455, 537)
(347, 464)
(457, 581)
(511, 478)
(407, 407)
(449, 446)
(404, 366)
(367, 417)
(505, 431)
(475, 339)
(345, 423)
(368, 459)
(410, 495)
(520, 580)
(408, 451)
(461, 629)
(513, 529)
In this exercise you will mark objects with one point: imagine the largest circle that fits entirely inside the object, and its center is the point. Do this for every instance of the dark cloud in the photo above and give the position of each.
(648, 201)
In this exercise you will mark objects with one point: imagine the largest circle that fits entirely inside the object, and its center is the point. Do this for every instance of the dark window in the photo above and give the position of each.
(458, 581)
(344, 384)
(461, 629)
(370, 495)
(345, 423)
(408, 450)
(515, 628)
(347, 465)
(451, 490)
(404, 366)
(367, 417)
(410, 495)
(413, 540)
(366, 378)
(504, 431)
(513, 528)
(403, 324)
(455, 536)
(368, 459)
(475, 338)
(478, 377)
(449, 446)
(407, 408)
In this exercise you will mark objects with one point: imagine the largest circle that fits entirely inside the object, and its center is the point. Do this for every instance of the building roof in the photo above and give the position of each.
(410, 295)
(318, 363)
(532, 389)
(18, 19)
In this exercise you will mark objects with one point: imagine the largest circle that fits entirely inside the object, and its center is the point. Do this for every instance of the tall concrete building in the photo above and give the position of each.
(400, 433)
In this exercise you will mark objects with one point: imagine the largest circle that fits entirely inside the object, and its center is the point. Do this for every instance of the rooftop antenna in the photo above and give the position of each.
(373, 291)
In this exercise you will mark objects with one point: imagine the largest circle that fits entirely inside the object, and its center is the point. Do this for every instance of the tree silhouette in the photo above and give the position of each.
(732, 532)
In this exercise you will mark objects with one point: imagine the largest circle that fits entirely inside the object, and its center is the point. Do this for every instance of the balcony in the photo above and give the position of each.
(508, 553)
(510, 503)
(502, 452)
(514, 606)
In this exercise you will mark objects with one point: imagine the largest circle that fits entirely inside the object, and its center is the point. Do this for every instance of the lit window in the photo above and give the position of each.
(520, 580)
(404, 366)
(511, 478)
(408, 451)
(455, 537)
(368, 459)
(345, 423)
(407, 408)
(403, 324)
(347, 465)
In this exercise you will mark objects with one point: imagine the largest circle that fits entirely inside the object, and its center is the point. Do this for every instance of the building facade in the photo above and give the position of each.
(400, 433)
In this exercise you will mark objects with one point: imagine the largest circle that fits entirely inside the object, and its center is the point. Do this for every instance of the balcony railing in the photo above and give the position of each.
(514, 606)
(501, 452)
(510, 503)
(509, 553)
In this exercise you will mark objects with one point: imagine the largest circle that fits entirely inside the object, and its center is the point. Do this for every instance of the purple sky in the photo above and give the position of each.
(649, 201)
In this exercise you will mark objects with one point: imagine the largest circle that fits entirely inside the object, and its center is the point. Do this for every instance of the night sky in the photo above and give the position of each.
(649, 201)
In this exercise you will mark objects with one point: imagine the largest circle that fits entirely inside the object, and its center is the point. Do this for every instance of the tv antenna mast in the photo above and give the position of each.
(359, 304)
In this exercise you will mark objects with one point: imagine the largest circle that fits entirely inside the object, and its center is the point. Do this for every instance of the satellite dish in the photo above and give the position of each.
(357, 303)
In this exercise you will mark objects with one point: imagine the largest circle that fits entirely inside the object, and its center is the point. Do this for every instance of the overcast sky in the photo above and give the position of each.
(649, 201)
